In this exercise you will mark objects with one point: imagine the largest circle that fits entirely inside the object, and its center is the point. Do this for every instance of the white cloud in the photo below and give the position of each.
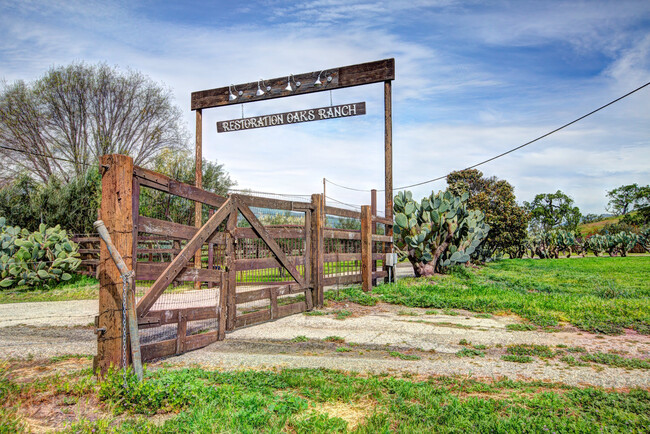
(452, 105)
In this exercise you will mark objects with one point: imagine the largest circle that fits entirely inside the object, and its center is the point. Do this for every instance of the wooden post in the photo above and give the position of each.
(231, 270)
(317, 251)
(198, 180)
(373, 211)
(388, 162)
(211, 254)
(117, 214)
(221, 307)
(366, 248)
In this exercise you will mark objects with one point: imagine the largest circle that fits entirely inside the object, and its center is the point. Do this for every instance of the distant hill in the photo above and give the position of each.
(587, 229)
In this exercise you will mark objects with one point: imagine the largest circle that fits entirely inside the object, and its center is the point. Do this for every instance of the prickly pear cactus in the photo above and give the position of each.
(437, 232)
(597, 244)
(644, 239)
(41, 258)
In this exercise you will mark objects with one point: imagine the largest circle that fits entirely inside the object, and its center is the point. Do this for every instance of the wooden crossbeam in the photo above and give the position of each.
(268, 239)
(344, 76)
(177, 265)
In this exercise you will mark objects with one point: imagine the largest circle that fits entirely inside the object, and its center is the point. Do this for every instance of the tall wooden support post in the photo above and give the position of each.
(211, 254)
(117, 214)
(317, 248)
(366, 248)
(231, 271)
(198, 181)
(388, 161)
(373, 211)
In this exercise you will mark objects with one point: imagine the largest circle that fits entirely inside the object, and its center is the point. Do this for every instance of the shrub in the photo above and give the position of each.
(41, 258)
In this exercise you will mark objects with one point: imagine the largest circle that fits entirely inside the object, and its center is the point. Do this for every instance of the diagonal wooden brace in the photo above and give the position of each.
(273, 246)
(177, 265)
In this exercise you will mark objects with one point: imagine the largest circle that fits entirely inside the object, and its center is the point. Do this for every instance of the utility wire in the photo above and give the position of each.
(343, 203)
(510, 150)
(43, 155)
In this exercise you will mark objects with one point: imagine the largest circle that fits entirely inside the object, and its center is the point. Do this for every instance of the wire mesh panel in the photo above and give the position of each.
(263, 284)
(342, 250)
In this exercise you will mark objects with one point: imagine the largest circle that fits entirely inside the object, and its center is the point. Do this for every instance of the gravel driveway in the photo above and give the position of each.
(57, 328)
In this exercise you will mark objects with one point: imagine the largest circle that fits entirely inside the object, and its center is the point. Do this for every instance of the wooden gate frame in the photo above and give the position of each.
(345, 76)
(121, 182)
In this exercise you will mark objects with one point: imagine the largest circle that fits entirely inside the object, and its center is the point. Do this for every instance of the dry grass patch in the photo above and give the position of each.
(354, 414)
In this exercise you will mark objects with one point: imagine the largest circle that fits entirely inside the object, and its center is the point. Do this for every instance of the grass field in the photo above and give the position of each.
(316, 400)
(600, 295)
(587, 229)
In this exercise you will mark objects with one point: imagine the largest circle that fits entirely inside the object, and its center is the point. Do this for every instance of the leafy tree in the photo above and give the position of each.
(496, 199)
(179, 165)
(590, 218)
(625, 198)
(80, 112)
(27, 203)
(553, 210)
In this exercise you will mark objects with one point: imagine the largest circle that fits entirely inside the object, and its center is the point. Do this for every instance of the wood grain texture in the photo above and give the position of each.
(117, 214)
(345, 76)
(266, 237)
(292, 117)
(366, 248)
(177, 265)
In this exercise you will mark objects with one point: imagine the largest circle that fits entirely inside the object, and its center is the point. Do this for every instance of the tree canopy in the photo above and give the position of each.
(496, 199)
(179, 165)
(627, 198)
(62, 122)
(553, 210)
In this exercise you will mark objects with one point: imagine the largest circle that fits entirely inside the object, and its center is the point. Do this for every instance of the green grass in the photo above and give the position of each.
(615, 360)
(470, 352)
(319, 400)
(522, 327)
(300, 338)
(516, 358)
(342, 314)
(343, 350)
(404, 356)
(599, 295)
(541, 351)
(78, 288)
(335, 339)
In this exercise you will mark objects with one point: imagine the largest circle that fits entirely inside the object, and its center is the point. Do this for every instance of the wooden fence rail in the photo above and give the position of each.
(240, 275)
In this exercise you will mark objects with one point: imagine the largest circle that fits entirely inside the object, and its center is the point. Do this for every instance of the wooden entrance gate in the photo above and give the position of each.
(246, 272)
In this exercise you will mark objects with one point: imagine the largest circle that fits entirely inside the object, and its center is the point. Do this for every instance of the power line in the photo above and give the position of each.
(343, 203)
(43, 155)
(510, 150)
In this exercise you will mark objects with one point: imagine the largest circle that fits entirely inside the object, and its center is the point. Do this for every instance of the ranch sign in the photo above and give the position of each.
(294, 117)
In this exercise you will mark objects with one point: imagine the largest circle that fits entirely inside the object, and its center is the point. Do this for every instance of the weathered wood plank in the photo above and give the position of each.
(157, 318)
(117, 214)
(263, 202)
(266, 237)
(340, 212)
(341, 234)
(382, 238)
(290, 309)
(317, 248)
(263, 263)
(166, 348)
(345, 76)
(342, 280)
(231, 267)
(176, 266)
(252, 318)
(151, 179)
(292, 117)
(283, 232)
(153, 270)
(366, 248)
(382, 220)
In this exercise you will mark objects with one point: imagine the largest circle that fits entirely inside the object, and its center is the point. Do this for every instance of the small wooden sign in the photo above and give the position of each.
(273, 120)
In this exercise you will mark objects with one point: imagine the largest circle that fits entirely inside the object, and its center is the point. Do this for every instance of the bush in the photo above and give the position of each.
(41, 258)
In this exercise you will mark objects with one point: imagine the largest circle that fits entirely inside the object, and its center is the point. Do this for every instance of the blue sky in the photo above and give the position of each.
(472, 80)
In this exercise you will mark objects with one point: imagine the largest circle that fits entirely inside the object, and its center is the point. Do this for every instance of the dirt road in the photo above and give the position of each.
(370, 335)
